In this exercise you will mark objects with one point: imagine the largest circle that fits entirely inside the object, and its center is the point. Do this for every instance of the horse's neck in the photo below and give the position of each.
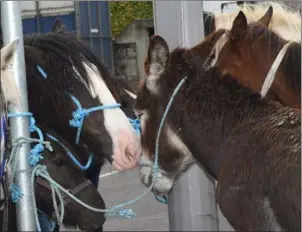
(210, 121)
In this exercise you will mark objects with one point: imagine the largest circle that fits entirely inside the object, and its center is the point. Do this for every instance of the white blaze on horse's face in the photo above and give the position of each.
(10, 89)
(126, 143)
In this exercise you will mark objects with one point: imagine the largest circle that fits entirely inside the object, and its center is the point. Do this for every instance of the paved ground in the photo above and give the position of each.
(118, 187)
(123, 186)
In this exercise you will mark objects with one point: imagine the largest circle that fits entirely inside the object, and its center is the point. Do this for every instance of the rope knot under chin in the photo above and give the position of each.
(40, 169)
(35, 154)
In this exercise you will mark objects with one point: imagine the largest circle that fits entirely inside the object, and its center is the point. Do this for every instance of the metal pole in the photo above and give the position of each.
(89, 24)
(38, 17)
(192, 205)
(77, 18)
(11, 29)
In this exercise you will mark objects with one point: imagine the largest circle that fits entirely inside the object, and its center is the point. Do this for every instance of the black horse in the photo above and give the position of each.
(64, 172)
(57, 65)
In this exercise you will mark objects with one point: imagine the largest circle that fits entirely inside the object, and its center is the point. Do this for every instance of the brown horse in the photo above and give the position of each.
(250, 145)
(251, 52)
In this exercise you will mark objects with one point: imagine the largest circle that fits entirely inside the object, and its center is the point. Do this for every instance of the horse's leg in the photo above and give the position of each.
(246, 210)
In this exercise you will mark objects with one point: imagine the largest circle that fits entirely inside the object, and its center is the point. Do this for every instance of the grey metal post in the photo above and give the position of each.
(11, 29)
(77, 18)
(192, 204)
(38, 17)
(89, 24)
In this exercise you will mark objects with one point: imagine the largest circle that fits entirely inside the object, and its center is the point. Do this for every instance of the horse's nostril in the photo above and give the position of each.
(129, 154)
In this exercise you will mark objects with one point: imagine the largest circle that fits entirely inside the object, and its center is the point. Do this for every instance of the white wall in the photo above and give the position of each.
(28, 8)
(215, 6)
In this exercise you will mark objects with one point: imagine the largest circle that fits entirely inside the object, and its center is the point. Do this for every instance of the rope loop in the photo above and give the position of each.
(71, 156)
(35, 154)
(136, 125)
(79, 115)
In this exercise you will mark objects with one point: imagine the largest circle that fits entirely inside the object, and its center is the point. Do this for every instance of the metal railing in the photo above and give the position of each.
(12, 29)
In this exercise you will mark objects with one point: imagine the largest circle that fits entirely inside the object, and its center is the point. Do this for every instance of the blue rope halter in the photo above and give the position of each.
(71, 156)
(79, 115)
(35, 153)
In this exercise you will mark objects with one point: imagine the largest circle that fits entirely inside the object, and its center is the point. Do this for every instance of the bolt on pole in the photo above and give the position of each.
(12, 29)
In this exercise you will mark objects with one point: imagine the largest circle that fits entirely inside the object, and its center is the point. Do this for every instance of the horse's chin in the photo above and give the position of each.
(163, 183)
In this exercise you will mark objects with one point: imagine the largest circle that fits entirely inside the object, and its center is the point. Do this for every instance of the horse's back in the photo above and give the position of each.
(265, 176)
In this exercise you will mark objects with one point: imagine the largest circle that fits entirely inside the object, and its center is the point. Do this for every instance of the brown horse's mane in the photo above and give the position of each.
(291, 71)
(291, 59)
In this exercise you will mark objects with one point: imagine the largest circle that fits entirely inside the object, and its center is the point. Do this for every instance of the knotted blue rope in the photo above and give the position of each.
(71, 156)
(79, 115)
(15, 193)
(136, 125)
(34, 154)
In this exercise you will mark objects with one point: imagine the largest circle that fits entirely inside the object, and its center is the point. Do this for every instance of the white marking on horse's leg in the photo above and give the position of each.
(132, 95)
(123, 135)
(175, 141)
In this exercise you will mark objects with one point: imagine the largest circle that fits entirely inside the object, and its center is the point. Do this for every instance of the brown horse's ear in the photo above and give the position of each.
(266, 19)
(158, 56)
(239, 27)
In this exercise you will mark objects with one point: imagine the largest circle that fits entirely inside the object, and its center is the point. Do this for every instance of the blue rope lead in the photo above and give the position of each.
(42, 71)
(79, 115)
(161, 199)
(15, 193)
(35, 153)
(136, 125)
(71, 156)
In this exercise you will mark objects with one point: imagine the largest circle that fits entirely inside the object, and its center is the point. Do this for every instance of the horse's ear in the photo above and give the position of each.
(239, 27)
(266, 19)
(8, 52)
(57, 26)
(9, 86)
(158, 56)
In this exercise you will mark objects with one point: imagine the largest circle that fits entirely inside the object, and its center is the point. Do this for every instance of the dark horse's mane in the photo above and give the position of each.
(66, 51)
(292, 73)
